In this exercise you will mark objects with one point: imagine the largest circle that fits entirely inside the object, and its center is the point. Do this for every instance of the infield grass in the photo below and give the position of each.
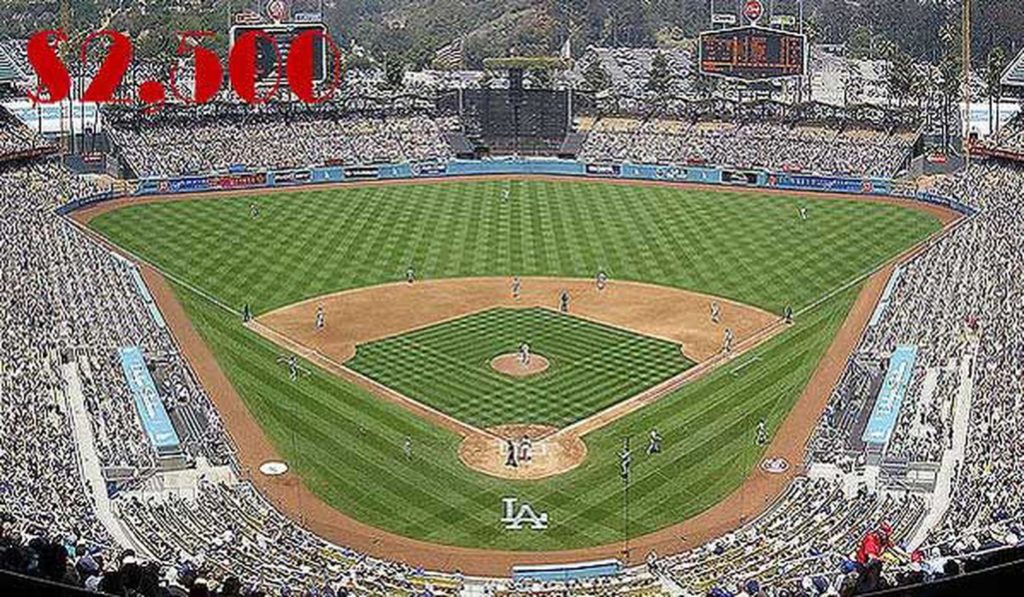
(447, 366)
(347, 444)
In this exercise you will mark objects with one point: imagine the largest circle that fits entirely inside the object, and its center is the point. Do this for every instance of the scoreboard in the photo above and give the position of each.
(752, 53)
(281, 36)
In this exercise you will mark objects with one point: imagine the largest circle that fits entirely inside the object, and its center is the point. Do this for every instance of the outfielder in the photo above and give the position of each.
(654, 443)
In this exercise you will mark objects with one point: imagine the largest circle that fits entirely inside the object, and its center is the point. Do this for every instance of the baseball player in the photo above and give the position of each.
(654, 443)
(517, 287)
(319, 317)
(407, 448)
(524, 354)
(525, 449)
(601, 281)
(803, 213)
(506, 192)
(510, 454)
(716, 312)
(254, 211)
(787, 315)
(293, 368)
(762, 432)
(563, 301)
(727, 340)
(410, 274)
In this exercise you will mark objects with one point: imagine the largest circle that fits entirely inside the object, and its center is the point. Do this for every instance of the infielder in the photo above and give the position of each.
(410, 274)
(524, 354)
(727, 341)
(319, 317)
(716, 312)
(601, 281)
(517, 287)
(563, 301)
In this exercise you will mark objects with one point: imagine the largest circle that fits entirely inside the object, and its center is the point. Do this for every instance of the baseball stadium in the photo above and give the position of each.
(722, 306)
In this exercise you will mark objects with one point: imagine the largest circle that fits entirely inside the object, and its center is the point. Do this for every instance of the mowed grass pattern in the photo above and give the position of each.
(447, 366)
(346, 443)
(744, 245)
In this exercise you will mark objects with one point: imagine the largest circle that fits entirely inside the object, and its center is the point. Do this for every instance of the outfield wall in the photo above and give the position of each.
(726, 177)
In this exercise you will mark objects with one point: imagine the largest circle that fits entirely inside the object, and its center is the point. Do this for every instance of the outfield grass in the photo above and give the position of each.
(347, 444)
(748, 246)
(447, 366)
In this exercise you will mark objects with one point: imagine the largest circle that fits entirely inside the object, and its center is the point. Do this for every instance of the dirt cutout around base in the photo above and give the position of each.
(549, 453)
(513, 366)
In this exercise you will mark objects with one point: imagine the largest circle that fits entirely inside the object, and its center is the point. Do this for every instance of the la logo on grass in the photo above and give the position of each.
(514, 521)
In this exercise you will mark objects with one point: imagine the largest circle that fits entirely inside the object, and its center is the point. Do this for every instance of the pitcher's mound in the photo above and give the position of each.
(509, 364)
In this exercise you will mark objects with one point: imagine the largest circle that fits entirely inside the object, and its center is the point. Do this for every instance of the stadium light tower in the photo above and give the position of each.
(965, 48)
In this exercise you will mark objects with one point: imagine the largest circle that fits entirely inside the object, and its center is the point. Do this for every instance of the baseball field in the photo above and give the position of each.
(342, 424)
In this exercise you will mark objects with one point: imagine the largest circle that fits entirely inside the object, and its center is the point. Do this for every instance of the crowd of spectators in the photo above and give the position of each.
(17, 139)
(804, 542)
(181, 143)
(816, 148)
(70, 302)
(67, 300)
(232, 530)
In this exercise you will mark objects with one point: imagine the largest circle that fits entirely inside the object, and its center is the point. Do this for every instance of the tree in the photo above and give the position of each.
(994, 87)
(859, 44)
(660, 80)
(394, 72)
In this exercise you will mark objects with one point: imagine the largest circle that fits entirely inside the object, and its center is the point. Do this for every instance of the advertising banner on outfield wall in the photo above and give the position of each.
(741, 178)
(428, 169)
(362, 172)
(810, 182)
(662, 172)
(604, 170)
(239, 181)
